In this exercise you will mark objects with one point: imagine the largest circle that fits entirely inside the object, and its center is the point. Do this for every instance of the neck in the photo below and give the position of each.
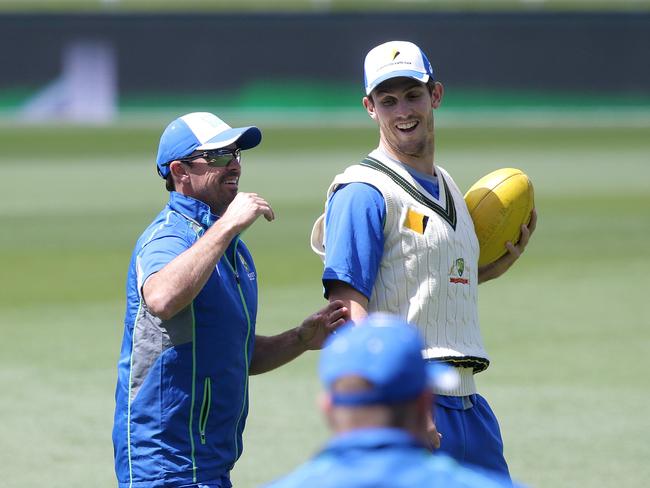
(215, 207)
(421, 162)
(404, 416)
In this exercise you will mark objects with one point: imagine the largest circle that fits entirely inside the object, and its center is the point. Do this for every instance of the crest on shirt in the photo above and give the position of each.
(251, 274)
(456, 272)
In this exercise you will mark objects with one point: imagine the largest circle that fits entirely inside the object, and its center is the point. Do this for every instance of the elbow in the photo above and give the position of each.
(158, 299)
(160, 306)
(258, 367)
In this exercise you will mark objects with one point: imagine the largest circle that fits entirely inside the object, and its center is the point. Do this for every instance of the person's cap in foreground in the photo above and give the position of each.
(387, 352)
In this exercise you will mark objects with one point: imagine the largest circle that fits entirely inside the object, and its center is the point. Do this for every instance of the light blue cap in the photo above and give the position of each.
(385, 351)
(200, 131)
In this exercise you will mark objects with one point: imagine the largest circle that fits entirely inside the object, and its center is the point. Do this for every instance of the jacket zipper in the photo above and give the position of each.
(233, 266)
(205, 407)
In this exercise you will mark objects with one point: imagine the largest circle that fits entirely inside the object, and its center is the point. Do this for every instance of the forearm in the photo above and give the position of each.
(174, 287)
(487, 273)
(355, 301)
(501, 265)
(274, 351)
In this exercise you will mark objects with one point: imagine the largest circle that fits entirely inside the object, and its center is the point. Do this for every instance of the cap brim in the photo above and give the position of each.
(245, 137)
(416, 75)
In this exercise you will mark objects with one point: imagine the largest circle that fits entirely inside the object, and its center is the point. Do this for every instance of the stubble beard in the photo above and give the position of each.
(418, 148)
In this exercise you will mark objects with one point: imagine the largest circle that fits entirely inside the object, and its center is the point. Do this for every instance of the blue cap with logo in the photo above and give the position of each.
(387, 352)
(199, 131)
(394, 59)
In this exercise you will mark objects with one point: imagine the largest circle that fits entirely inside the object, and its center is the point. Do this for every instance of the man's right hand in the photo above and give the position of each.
(174, 287)
(245, 209)
(434, 436)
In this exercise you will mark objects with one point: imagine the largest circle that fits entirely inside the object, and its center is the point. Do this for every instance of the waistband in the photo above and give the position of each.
(466, 385)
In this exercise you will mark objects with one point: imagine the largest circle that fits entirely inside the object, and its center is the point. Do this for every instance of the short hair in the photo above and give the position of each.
(393, 415)
(169, 182)
(429, 84)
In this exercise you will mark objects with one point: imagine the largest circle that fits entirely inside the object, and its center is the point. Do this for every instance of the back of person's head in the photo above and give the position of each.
(374, 374)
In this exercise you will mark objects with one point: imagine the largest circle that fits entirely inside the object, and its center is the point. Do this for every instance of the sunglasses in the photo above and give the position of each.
(217, 158)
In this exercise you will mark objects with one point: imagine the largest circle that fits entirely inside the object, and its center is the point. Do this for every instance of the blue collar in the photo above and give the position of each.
(192, 209)
(373, 438)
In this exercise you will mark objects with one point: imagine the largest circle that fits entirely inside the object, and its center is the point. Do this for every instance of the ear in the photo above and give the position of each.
(436, 94)
(178, 170)
(327, 409)
(324, 403)
(370, 108)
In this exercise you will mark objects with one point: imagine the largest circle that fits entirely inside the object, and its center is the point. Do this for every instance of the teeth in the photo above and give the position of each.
(406, 125)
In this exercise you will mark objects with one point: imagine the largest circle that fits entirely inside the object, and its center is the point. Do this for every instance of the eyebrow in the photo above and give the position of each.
(401, 85)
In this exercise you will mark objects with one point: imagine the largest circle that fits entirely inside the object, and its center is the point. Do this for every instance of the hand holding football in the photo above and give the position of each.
(499, 203)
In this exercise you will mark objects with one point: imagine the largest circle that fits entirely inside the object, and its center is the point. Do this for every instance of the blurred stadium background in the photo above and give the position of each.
(559, 88)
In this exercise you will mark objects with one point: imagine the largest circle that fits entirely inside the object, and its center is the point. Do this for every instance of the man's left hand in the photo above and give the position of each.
(501, 265)
(318, 326)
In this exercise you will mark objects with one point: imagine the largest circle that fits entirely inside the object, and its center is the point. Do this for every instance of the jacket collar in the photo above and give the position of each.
(192, 209)
(373, 438)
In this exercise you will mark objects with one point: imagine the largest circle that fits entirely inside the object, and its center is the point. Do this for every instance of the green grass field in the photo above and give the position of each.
(568, 328)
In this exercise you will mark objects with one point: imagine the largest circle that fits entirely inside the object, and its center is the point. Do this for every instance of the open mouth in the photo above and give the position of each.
(231, 181)
(407, 126)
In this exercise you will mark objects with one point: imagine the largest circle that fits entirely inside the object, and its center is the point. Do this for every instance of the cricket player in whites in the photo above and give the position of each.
(396, 237)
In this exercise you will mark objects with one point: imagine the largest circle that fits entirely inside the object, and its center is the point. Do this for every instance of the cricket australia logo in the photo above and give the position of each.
(456, 272)
(251, 274)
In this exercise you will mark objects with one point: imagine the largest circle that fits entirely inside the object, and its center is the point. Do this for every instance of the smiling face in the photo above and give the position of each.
(216, 187)
(402, 107)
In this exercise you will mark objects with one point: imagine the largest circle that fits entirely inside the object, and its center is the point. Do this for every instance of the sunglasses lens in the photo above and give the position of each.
(220, 159)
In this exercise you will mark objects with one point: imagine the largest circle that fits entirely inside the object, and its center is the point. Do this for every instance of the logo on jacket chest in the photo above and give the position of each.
(458, 269)
(249, 272)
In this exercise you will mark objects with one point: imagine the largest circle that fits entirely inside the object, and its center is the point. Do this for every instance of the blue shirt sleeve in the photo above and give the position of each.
(354, 239)
(158, 252)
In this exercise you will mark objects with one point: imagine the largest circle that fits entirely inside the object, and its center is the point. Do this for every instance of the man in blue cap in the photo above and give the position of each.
(189, 330)
(377, 402)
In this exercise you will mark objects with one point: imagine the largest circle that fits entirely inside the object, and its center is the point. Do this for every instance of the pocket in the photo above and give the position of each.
(205, 407)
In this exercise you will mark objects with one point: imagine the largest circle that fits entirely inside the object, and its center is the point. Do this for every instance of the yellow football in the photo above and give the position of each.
(499, 203)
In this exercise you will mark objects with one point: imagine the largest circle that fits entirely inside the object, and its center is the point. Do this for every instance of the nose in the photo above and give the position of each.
(402, 108)
(234, 164)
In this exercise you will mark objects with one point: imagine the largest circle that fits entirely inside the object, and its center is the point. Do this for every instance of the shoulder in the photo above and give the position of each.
(169, 225)
(355, 172)
(313, 473)
(360, 174)
(453, 474)
(357, 193)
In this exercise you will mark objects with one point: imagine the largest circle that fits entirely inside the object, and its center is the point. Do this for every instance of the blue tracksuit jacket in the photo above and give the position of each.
(182, 387)
(385, 458)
